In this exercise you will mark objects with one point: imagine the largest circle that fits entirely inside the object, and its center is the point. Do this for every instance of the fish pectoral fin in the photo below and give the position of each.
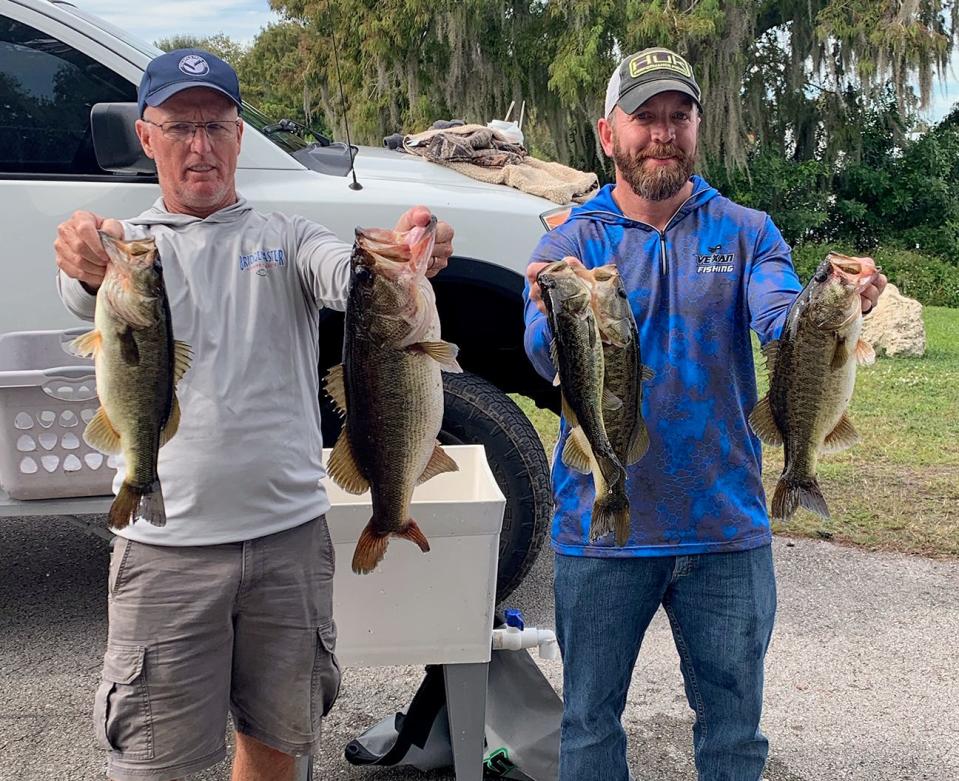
(172, 423)
(763, 424)
(343, 467)
(577, 454)
(843, 436)
(554, 357)
(645, 373)
(182, 358)
(444, 353)
(439, 462)
(770, 352)
(101, 434)
(611, 401)
(638, 442)
(865, 354)
(336, 388)
(840, 353)
(86, 346)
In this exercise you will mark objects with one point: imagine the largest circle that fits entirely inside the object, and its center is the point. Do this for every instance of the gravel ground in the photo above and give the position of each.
(862, 677)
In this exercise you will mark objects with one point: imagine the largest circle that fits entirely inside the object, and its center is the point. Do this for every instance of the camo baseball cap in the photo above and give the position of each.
(182, 69)
(647, 73)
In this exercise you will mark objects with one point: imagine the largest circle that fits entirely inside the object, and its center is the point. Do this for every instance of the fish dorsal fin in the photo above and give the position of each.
(336, 389)
(343, 468)
(840, 353)
(172, 423)
(101, 434)
(611, 401)
(645, 373)
(771, 352)
(182, 358)
(440, 461)
(638, 441)
(843, 436)
(865, 354)
(763, 423)
(87, 345)
(577, 454)
(444, 353)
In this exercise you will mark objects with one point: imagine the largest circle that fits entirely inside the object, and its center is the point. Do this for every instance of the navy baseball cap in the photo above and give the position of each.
(182, 69)
(647, 73)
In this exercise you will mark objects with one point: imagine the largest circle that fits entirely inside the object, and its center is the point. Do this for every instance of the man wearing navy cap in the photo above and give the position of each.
(228, 607)
(699, 271)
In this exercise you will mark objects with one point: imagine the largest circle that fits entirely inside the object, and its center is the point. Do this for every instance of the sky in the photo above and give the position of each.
(241, 20)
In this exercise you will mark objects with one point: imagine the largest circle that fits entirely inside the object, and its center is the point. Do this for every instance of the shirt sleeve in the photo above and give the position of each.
(538, 336)
(773, 284)
(322, 262)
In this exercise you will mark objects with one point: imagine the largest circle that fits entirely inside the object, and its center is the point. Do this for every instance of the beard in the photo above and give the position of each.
(661, 182)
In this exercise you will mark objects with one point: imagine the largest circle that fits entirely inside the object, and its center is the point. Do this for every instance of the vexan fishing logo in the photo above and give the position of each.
(715, 262)
(263, 261)
(194, 65)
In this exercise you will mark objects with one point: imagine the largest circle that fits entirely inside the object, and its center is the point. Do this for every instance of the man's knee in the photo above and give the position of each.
(256, 761)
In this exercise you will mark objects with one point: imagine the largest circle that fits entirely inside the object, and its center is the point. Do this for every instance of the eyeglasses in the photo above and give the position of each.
(182, 131)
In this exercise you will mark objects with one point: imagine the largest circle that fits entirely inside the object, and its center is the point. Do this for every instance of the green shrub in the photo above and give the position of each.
(927, 278)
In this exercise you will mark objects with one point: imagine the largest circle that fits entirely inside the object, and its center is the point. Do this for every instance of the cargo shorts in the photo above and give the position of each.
(198, 632)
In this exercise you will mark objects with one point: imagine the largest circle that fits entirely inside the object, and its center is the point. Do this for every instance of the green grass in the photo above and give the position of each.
(898, 489)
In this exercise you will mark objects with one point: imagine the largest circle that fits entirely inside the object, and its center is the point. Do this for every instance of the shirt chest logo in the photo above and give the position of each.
(263, 261)
(716, 261)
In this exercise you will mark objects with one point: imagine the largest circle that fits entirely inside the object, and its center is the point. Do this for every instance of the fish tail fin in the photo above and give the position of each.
(791, 494)
(371, 547)
(611, 514)
(135, 501)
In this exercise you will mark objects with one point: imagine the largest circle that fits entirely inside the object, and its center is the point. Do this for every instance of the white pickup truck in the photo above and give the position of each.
(57, 62)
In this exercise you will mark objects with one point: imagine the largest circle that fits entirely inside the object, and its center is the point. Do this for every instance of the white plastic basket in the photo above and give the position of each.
(47, 396)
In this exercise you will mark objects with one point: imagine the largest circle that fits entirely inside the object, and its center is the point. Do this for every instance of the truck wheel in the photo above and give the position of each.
(477, 412)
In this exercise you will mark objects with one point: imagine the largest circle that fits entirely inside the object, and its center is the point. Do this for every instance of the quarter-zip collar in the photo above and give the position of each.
(603, 207)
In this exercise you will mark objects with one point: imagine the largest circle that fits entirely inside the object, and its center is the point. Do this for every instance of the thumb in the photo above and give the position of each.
(417, 216)
(113, 228)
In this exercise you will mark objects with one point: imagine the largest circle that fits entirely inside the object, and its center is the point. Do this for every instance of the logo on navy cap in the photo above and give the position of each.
(194, 65)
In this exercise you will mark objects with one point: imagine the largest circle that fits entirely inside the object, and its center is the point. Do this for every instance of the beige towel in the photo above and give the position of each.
(487, 155)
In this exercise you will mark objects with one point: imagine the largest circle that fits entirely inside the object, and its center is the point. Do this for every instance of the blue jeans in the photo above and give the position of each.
(721, 608)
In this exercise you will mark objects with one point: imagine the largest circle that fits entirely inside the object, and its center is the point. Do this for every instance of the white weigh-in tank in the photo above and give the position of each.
(415, 607)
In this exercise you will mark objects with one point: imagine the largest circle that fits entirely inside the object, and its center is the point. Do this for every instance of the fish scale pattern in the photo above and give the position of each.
(716, 272)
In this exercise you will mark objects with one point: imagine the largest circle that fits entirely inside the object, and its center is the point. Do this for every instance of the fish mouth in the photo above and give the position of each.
(605, 273)
(132, 254)
(858, 272)
(396, 254)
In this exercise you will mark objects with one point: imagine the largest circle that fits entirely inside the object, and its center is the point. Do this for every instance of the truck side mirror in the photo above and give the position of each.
(115, 139)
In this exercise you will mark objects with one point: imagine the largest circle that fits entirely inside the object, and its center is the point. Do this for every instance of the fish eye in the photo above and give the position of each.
(822, 276)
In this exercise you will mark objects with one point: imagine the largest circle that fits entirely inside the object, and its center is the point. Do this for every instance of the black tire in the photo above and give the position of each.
(477, 412)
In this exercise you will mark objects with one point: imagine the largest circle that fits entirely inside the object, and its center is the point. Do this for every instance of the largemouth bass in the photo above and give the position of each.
(138, 364)
(623, 370)
(812, 375)
(577, 352)
(389, 385)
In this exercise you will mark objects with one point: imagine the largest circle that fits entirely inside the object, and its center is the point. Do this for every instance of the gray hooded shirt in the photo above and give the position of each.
(245, 292)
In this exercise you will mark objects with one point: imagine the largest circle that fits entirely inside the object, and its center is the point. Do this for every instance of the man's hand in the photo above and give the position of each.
(533, 269)
(80, 253)
(442, 244)
(869, 295)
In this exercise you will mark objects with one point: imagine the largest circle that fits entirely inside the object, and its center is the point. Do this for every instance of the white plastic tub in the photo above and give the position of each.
(47, 396)
(422, 608)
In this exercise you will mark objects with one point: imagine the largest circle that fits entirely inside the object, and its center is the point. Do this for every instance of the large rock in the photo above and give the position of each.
(895, 326)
